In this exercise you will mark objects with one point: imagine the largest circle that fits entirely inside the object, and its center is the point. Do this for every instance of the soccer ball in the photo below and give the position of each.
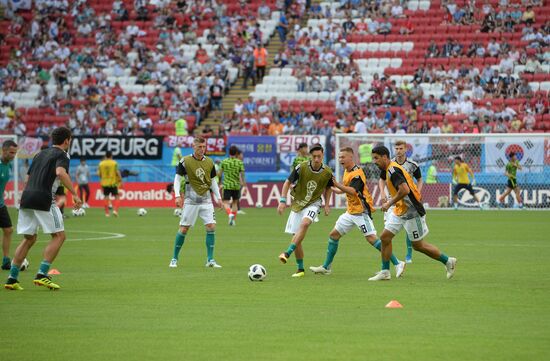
(259, 204)
(177, 212)
(80, 212)
(24, 265)
(257, 272)
(142, 212)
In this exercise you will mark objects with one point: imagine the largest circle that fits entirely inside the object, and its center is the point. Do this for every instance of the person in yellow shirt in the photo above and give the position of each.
(110, 180)
(358, 214)
(461, 180)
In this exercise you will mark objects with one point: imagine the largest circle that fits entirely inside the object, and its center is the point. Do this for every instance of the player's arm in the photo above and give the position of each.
(419, 181)
(242, 177)
(283, 200)
(473, 177)
(351, 189)
(327, 194)
(400, 183)
(118, 176)
(382, 187)
(65, 179)
(180, 173)
(215, 188)
(518, 165)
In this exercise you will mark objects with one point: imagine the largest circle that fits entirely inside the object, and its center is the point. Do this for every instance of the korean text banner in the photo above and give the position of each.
(260, 153)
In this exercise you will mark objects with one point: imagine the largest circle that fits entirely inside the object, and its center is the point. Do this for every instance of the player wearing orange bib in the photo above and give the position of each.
(358, 214)
(408, 213)
(110, 180)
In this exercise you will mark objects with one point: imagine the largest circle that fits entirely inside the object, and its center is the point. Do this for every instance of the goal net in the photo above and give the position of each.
(486, 154)
(12, 191)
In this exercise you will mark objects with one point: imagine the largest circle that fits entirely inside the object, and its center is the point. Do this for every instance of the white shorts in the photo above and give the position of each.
(50, 221)
(346, 222)
(192, 211)
(295, 218)
(416, 228)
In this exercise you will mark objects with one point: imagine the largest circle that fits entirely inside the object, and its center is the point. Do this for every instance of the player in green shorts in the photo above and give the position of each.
(512, 185)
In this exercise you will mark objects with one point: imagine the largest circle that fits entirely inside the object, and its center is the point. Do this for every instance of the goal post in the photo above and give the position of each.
(486, 154)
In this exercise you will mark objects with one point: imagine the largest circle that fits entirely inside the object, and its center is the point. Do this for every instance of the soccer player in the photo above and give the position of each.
(83, 179)
(358, 214)
(512, 185)
(199, 174)
(461, 179)
(110, 180)
(301, 156)
(309, 181)
(49, 168)
(408, 213)
(412, 168)
(232, 170)
(9, 150)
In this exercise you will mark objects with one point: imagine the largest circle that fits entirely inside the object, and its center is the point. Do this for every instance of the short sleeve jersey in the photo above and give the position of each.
(232, 169)
(410, 206)
(39, 193)
(108, 173)
(461, 172)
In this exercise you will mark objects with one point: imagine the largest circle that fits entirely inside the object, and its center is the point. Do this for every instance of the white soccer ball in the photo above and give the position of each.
(257, 272)
(142, 212)
(259, 204)
(80, 212)
(177, 212)
(24, 265)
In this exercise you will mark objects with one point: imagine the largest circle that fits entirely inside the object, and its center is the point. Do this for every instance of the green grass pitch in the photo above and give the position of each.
(120, 301)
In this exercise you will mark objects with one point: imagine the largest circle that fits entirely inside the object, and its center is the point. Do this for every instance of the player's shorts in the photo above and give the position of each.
(416, 228)
(110, 190)
(192, 211)
(234, 194)
(512, 184)
(5, 220)
(346, 222)
(30, 219)
(460, 186)
(295, 218)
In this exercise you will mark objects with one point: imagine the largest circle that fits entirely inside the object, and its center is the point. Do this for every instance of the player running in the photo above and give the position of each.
(232, 170)
(49, 168)
(412, 168)
(198, 173)
(461, 179)
(408, 213)
(358, 214)
(9, 150)
(309, 181)
(110, 180)
(512, 185)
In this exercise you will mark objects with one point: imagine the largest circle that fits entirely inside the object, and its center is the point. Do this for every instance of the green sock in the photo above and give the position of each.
(178, 243)
(300, 263)
(443, 258)
(5, 260)
(378, 246)
(44, 268)
(409, 247)
(210, 240)
(331, 252)
(385, 265)
(14, 272)
(290, 249)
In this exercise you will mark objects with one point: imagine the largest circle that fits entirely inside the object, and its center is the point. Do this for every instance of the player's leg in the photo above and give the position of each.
(106, 200)
(334, 236)
(456, 189)
(116, 203)
(417, 230)
(473, 194)
(208, 216)
(187, 219)
(298, 223)
(505, 194)
(86, 194)
(51, 222)
(227, 205)
(20, 254)
(392, 226)
(7, 231)
(517, 190)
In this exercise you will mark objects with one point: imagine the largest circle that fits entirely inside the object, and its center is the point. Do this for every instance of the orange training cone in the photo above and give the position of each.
(394, 304)
(54, 271)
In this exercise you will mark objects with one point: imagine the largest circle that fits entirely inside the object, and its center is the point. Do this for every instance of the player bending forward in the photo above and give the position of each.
(358, 214)
(408, 213)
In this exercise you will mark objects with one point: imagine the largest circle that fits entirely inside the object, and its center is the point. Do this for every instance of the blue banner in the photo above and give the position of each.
(260, 153)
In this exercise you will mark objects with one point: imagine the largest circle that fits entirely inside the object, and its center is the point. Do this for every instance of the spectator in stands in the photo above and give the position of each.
(528, 16)
(385, 26)
(249, 71)
(145, 124)
(260, 60)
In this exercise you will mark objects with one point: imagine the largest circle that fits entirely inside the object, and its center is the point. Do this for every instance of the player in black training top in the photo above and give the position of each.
(49, 170)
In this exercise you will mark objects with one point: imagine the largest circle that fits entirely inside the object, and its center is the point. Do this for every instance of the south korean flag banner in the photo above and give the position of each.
(529, 152)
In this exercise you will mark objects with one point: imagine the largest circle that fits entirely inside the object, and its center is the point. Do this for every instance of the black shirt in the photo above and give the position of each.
(40, 190)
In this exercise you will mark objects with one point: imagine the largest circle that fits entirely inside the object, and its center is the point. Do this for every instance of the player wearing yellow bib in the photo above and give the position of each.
(408, 213)
(358, 214)
(110, 180)
(309, 181)
(461, 180)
